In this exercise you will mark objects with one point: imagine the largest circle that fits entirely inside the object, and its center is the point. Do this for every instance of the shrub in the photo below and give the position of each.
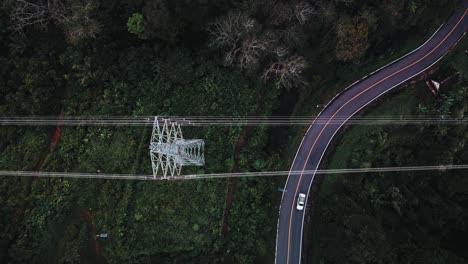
(136, 24)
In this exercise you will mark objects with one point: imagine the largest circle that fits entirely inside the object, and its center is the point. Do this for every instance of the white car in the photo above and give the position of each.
(300, 201)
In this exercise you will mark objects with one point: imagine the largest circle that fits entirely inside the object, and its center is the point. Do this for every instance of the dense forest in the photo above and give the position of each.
(178, 57)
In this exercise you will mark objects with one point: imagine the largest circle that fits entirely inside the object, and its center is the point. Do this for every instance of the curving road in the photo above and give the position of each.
(344, 106)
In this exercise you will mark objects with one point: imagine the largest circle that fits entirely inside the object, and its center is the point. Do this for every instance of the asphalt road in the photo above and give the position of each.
(352, 100)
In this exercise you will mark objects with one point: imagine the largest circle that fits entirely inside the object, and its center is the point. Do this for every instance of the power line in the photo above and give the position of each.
(108, 176)
(227, 121)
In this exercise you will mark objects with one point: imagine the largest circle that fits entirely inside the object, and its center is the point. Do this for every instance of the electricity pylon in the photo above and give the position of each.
(170, 151)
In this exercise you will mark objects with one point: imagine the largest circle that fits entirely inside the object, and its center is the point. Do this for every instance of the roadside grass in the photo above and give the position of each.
(401, 105)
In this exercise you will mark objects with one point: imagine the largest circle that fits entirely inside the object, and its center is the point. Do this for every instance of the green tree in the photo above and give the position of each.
(136, 24)
(352, 39)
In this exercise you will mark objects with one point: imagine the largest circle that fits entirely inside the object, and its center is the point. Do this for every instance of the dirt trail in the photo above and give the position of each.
(92, 232)
(50, 147)
(54, 140)
(232, 181)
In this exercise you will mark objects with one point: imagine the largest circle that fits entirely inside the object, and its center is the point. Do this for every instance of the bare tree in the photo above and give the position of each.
(237, 34)
(287, 70)
(303, 12)
(248, 53)
(74, 16)
(28, 13)
(280, 51)
(228, 30)
(250, 45)
(251, 51)
(80, 24)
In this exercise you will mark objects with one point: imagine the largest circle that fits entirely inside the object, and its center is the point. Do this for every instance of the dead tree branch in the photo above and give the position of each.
(287, 71)
(74, 16)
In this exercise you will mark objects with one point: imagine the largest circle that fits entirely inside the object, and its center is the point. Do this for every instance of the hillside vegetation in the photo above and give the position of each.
(171, 57)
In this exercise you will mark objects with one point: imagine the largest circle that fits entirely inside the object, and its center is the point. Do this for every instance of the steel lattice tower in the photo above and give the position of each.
(170, 151)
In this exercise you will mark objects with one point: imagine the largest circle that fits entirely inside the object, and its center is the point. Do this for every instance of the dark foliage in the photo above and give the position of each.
(203, 57)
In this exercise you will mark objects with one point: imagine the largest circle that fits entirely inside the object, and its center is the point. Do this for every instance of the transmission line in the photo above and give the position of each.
(107, 176)
(140, 121)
